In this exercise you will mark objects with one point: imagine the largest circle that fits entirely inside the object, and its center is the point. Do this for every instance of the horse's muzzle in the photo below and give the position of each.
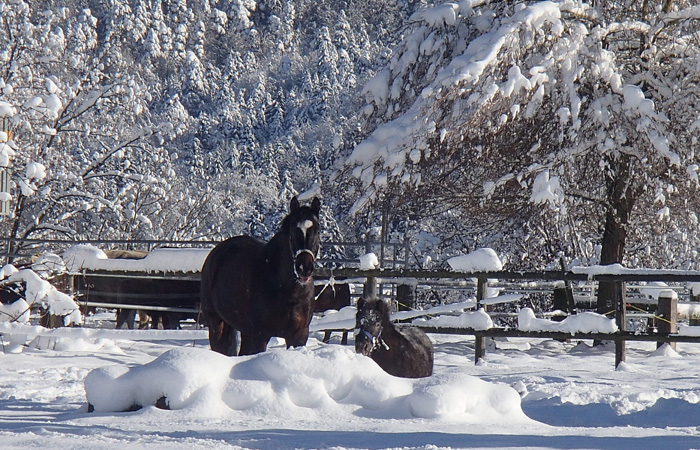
(304, 266)
(363, 344)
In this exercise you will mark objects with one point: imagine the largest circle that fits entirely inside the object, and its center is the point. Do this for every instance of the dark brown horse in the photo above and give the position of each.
(405, 352)
(262, 289)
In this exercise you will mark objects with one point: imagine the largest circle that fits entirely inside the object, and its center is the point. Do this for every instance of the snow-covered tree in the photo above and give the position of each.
(546, 128)
(85, 162)
(121, 119)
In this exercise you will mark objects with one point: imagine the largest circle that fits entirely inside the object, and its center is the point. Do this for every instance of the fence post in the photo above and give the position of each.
(480, 341)
(406, 295)
(370, 287)
(620, 320)
(560, 301)
(668, 314)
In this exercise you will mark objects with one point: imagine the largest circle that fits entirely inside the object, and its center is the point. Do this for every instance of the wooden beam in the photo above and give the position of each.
(630, 275)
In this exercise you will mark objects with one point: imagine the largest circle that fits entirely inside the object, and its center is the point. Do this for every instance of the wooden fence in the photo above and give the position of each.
(666, 312)
(405, 281)
(396, 272)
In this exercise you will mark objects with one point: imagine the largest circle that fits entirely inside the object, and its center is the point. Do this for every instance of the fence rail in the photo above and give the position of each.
(636, 275)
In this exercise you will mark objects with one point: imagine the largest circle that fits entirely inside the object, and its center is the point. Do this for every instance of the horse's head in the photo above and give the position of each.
(304, 237)
(371, 314)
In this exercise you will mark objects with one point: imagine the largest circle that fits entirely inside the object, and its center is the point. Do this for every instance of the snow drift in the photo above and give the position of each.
(325, 382)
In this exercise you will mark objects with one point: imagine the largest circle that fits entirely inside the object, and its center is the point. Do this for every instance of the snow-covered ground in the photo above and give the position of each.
(326, 396)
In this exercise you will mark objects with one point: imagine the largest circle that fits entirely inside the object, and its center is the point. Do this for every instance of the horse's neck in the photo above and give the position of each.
(389, 331)
(278, 256)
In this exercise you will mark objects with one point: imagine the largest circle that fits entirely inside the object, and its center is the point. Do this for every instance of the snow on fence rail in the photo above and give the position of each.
(20, 332)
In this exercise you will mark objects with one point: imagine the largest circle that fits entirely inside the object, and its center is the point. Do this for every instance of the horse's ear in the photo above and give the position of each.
(316, 206)
(381, 306)
(294, 204)
(360, 303)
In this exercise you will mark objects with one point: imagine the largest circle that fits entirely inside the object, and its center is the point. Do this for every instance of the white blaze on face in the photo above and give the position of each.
(304, 226)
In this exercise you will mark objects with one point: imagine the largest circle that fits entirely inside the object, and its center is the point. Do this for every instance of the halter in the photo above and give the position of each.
(305, 250)
(299, 252)
(377, 340)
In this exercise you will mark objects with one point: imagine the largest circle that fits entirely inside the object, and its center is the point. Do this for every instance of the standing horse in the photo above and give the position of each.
(262, 289)
(405, 352)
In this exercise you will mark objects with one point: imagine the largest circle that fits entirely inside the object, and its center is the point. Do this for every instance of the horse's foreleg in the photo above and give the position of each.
(298, 338)
(222, 338)
(252, 344)
(120, 318)
(130, 317)
(245, 344)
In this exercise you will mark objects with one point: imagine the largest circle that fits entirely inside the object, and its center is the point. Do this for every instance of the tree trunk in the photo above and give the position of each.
(613, 247)
(620, 199)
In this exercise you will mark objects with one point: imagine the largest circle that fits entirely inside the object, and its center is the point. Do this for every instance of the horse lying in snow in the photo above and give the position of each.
(405, 352)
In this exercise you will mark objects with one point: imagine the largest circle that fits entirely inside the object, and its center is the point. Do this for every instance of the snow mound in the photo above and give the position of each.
(665, 351)
(480, 260)
(329, 381)
(369, 262)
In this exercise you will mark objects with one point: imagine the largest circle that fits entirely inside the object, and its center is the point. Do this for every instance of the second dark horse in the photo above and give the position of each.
(262, 289)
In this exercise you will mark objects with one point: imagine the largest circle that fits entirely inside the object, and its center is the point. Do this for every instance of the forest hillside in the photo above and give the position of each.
(545, 130)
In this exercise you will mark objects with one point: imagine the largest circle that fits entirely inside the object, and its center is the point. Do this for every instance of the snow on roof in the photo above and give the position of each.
(86, 256)
(344, 319)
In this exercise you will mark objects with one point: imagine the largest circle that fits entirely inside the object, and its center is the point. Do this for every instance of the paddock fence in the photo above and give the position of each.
(401, 285)
(567, 292)
(660, 313)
